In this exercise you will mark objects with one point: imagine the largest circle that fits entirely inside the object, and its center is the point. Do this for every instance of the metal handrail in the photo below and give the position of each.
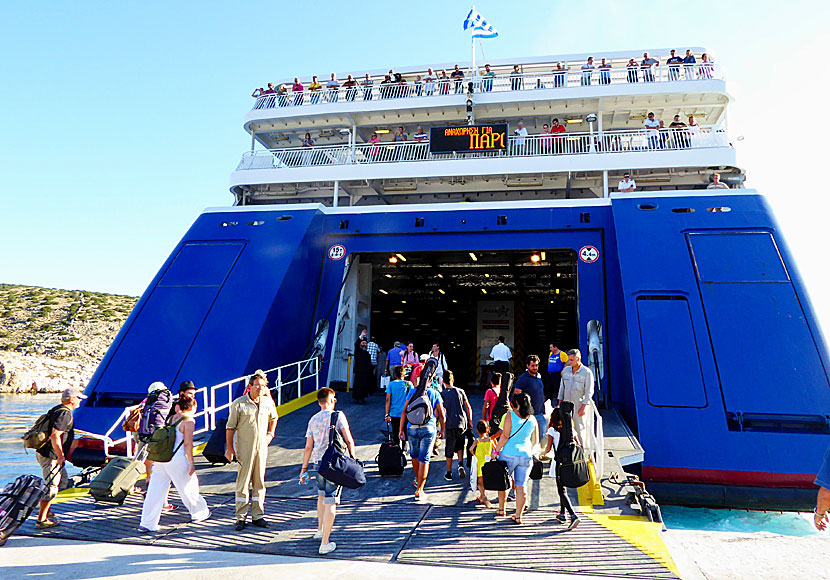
(209, 408)
(595, 444)
(573, 76)
(617, 141)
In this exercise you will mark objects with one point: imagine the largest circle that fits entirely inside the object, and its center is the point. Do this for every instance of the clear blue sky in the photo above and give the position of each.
(121, 122)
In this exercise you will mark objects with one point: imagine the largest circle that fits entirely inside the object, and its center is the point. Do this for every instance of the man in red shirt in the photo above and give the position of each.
(558, 137)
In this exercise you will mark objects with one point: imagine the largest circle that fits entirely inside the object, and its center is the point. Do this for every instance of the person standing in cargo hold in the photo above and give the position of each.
(577, 390)
(501, 356)
(251, 424)
(557, 359)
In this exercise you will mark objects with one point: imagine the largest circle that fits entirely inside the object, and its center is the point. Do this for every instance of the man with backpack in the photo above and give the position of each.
(419, 419)
(459, 420)
(252, 421)
(59, 427)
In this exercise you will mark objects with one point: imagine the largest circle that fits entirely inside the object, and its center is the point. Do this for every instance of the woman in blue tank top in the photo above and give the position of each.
(515, 447)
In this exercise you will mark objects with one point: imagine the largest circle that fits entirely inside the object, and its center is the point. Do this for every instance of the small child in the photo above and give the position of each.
(482, 447)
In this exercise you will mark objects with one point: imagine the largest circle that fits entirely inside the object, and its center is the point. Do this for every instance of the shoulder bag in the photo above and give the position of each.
(336, 466)
(494, 473)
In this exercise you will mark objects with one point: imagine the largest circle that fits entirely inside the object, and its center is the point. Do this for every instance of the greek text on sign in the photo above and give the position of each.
(337, 252)
(468, 138)
(589, 254)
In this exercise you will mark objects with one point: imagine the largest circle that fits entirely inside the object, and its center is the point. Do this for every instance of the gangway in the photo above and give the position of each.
(286, 384)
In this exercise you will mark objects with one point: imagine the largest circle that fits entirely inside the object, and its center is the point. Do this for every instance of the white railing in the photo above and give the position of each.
(574, 76)
(530, 146)
(281, 380)
(594, 444)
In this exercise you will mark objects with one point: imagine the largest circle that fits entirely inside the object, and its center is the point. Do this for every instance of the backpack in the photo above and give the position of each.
(419, 409)
(39, 434)
(154, 414)
(162, 444)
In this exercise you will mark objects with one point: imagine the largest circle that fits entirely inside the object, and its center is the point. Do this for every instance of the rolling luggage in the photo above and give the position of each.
(214, 450)
(390, 459)
(117, 479)
(17, 501)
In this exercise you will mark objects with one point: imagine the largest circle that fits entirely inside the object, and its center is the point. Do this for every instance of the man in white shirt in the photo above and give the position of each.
(420, 136)
(627, 185)
(653, 127)
(717, 183)
(501, 356)
(519, 140)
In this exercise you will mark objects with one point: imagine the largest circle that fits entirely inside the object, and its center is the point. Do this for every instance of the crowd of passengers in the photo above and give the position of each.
(680, 135)
(395, 85)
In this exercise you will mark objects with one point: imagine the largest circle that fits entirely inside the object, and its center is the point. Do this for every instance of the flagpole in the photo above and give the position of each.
(473, 44)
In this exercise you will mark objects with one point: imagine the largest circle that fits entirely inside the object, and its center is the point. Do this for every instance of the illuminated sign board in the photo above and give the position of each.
(468, 139)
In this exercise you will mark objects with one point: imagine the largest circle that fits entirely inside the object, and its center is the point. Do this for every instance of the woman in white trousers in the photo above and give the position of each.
(181, 471)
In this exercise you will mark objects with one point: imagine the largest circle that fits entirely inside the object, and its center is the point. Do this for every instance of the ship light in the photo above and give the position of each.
(382, 291)
(543, 257)
(535, 258)
(403, 301)
(393, 260)
(483, 291)
(441, 291)
(455, 301)
(473, 257)
(388, 275)
(487, 275)
(574, 120)
(381, 131)
(400, 257)
(557, 290)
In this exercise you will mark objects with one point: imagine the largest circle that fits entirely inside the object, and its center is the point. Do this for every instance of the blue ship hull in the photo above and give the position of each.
(712, 351)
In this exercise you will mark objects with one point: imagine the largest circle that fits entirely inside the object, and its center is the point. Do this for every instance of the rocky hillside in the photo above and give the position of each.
(53, 339)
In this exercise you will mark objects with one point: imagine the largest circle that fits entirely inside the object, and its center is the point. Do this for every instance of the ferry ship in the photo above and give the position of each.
(684, 299)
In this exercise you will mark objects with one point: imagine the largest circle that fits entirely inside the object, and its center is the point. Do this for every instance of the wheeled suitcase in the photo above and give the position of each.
(214, 450)
(117, 479)
(17, 501)
(390, 459)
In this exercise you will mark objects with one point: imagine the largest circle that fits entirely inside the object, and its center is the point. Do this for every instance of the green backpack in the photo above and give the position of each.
(162, 445)
(38, 435)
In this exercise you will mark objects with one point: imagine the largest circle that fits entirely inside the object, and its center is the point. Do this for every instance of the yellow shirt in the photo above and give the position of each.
(482, 448)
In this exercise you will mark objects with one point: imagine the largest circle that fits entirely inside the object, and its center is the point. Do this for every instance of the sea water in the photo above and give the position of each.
(742, 521)
(18, 412)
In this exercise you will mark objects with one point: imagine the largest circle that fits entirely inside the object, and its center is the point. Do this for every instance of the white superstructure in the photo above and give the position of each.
(603, 111)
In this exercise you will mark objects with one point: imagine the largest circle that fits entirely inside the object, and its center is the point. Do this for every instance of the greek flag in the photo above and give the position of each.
(481, 28)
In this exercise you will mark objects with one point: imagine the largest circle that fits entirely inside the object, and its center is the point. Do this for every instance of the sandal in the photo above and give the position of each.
(516, 520)
(45, 524)
(500, 513)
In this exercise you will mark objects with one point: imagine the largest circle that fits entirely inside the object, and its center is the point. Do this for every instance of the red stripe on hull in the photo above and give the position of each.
(722, 477)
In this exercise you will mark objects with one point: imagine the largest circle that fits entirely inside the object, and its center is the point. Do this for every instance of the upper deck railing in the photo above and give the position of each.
(575, 76)
(530, 146)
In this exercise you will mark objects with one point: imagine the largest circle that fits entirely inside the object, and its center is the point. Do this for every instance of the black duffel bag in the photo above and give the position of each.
(572, 465)
(495, 475)
(336, 465)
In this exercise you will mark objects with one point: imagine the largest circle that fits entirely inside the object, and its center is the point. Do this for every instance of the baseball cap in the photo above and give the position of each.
(73, 392)
(157, 386)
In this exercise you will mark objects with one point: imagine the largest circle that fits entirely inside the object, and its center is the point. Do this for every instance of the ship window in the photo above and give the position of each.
(719, 209)
(344, 224)
(226, 224)
(419, 222)
(284, 218)
(256, 223)
(501, 220)
(647, 206)
(683, 210)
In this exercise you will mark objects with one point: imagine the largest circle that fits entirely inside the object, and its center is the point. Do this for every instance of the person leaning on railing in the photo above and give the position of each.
(315, 87)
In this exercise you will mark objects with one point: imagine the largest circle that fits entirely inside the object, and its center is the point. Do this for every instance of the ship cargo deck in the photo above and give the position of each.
(383, 522)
